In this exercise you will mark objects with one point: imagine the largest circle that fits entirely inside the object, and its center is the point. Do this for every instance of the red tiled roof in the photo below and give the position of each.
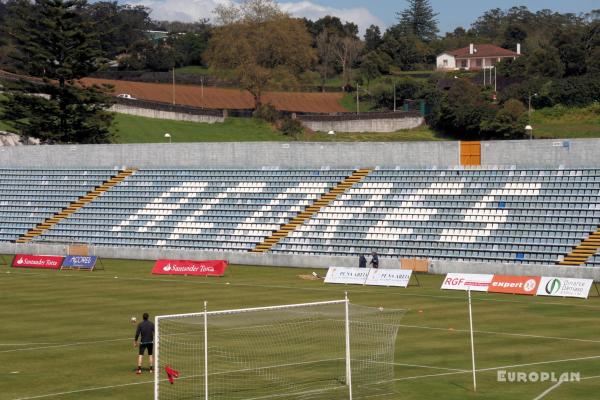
(483, 50)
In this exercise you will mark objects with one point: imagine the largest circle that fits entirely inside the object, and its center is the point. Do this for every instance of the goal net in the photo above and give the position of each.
(325, 350)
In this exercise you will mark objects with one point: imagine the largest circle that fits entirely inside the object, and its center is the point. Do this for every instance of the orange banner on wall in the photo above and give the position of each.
(514, 284)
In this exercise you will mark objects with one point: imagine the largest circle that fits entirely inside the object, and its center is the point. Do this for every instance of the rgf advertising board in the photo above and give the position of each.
(190, 267)
(474, 282)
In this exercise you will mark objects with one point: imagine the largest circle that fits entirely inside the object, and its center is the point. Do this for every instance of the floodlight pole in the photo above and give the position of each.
(472, 342)
(348, 366)
(205, 351)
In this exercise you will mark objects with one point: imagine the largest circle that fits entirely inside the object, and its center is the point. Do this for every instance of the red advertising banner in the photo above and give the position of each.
(190, 267)
(31, 261)
(514, 284)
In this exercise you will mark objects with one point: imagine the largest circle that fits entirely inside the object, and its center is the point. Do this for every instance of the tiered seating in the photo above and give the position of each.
(196, 209)
(533, 216)
(27, 197)
(594, 261)
(530, 216)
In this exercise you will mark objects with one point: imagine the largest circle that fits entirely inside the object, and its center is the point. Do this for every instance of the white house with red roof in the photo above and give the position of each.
(475, 57)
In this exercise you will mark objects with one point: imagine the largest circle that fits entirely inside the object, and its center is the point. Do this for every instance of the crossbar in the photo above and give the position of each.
(244, 310)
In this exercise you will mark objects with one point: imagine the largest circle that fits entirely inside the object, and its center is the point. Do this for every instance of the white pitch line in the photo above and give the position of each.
(458, 372)
(421, 366)
(496, 368)
(503, 333)
(551, 388)
(54, 346)
(356, 289)
(84, 390)
(541, 396)
(83, 343)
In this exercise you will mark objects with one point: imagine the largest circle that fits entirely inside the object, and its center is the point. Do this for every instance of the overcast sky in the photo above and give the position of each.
(452, 13)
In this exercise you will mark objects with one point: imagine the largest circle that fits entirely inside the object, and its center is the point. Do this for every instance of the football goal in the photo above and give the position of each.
(324, 350)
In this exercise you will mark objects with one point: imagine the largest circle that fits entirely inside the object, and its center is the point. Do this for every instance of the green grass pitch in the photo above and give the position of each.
(67, 335)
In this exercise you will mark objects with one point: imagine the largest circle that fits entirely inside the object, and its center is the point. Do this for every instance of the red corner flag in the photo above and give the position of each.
(171, 373)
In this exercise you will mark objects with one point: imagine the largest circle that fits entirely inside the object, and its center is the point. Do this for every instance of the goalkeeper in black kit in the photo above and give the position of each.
(145, 330)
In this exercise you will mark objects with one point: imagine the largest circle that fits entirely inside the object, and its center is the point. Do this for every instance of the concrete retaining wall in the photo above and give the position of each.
(161, 114)
(365, 125)
(316, 262)
(233, 155)
(525, 154)
(542, 153)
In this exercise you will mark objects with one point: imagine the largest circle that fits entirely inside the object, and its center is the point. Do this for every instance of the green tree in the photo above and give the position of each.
(333, 26)
(508, 123)
(260, 45)
(406, 51)
(462, 110)
(545, 62)
(123, 25)
(56, 42)
(512, 35)
(418, 19)
(189, 47)
(372, 38)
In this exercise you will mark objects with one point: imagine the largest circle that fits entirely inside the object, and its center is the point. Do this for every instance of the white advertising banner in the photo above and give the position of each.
(474, 282)
(564, 287)
(351, 276)
(389, 277)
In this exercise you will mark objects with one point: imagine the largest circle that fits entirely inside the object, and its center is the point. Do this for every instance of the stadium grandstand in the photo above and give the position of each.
(539, 210)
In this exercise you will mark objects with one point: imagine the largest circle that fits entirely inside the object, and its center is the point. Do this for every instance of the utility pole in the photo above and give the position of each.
(394, 96)
(173, 85)
(357, 100)
(202, 89)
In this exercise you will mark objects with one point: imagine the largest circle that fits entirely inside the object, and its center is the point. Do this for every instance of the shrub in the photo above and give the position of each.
(291, 127)
(267, 113)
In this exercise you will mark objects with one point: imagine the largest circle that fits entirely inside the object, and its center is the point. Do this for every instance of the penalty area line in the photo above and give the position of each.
(84, 390)
(556, 385)
(407, 378)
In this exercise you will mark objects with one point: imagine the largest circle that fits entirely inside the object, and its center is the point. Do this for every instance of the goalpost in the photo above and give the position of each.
(323, 350)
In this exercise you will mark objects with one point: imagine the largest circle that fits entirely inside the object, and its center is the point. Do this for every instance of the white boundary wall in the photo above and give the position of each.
(365, 125)
(288, 260)
(161, 114)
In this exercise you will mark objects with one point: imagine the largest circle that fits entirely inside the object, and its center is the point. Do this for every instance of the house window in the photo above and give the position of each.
(479, 63)
(445, 63)
(463, 64)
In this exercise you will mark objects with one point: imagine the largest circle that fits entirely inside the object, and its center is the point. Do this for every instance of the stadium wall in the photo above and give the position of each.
(317, 262)
(524, 153)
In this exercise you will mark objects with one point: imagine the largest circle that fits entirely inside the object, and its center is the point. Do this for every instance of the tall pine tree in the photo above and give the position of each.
(54, 41)
(418, 19)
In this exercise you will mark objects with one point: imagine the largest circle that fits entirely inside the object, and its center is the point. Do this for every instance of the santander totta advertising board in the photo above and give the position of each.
(31, 261)
(190, 267)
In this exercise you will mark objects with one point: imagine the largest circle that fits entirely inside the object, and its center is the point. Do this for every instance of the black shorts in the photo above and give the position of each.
(144, 346)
